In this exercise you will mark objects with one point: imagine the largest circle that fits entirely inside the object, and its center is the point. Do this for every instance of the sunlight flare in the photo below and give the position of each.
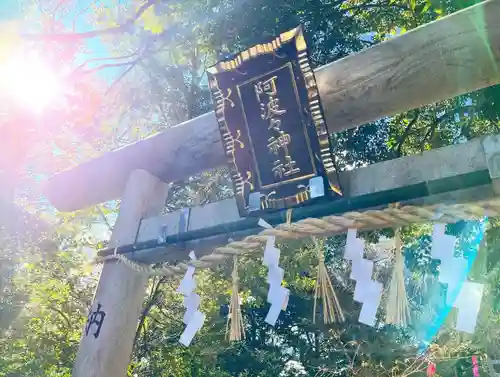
(28, 82)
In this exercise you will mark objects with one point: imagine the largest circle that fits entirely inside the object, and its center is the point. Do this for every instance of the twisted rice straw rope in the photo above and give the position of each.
(324, 227)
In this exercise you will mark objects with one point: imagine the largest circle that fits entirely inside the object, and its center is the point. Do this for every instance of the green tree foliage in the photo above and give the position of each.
(54, 284)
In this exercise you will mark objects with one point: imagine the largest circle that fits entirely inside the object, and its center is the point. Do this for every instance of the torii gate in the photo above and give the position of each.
(449, 57)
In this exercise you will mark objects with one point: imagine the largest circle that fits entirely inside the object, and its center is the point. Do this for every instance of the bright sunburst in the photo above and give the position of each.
(28, 82)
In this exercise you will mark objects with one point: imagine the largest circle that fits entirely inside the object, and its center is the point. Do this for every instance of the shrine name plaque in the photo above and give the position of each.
(272, 126)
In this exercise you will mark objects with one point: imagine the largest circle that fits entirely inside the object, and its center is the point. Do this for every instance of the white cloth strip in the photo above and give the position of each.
(366, 291)
(452, 273)
(193, 318)
(277, 295)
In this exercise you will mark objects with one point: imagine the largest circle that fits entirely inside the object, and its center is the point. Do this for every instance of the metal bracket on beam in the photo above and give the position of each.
(491, 147)
(161, 227)
(214, 223)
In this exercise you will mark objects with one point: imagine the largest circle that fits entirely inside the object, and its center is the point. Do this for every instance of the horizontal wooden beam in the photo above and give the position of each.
(452, 56)
(465, 172)
(178, 252)
(14, 220)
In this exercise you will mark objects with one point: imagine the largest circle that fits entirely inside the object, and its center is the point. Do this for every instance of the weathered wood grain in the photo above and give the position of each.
(121, 290)
(476, 155)
(179, 252)
(454, 55)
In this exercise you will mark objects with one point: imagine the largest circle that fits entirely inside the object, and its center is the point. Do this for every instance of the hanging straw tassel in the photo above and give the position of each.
(332, 312)
(236, 331)
(398, 312)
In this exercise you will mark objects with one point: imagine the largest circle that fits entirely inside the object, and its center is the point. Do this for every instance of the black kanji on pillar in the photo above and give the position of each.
(95, 318)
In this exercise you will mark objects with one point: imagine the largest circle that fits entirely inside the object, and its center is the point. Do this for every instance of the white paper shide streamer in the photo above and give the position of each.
(277, 295)
(367, 291)
(451, 273)
(193, 318)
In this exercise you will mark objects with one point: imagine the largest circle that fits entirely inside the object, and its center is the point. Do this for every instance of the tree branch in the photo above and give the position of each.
(58, 5)
(75, 19)
(119, 78)
(141, 55)
(432, 129)
(162, 111)
(407, 132)
(138, 55)
(62, 314)
(104, 218)
(128, 56)
(112, 65)
(372, 6)
(73, 37)
(151, 302)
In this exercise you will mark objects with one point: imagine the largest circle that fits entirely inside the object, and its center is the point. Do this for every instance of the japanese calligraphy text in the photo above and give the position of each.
(270, 110)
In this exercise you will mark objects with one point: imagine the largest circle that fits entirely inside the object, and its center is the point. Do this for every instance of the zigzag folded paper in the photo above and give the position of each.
(367, 291)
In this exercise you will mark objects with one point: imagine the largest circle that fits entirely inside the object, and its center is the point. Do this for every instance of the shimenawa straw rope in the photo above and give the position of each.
(326, 226)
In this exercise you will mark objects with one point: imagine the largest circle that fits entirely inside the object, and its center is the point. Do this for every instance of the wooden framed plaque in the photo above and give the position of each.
(272, 126)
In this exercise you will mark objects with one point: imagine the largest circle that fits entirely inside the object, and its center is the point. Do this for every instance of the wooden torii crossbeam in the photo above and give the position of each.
(466, 173)
(452, 56)
(455, 55)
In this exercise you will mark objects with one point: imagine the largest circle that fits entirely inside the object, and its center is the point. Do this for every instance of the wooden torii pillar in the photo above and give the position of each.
(452, 56)
(107, 340)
